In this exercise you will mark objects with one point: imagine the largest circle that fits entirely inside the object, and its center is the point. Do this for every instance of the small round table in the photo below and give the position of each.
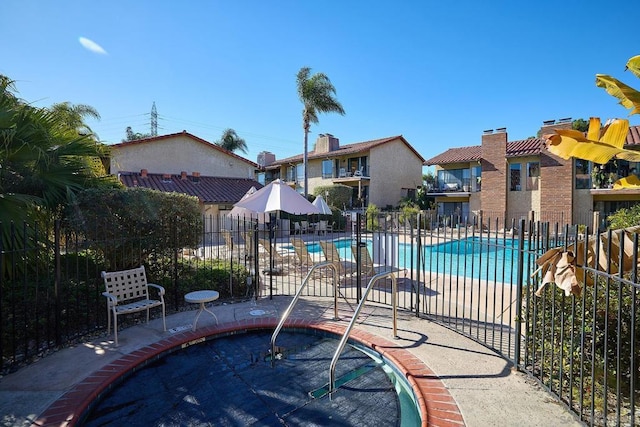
(202, 297)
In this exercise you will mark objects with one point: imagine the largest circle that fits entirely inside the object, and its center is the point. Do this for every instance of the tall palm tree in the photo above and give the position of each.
(317, 96)
(231, 141)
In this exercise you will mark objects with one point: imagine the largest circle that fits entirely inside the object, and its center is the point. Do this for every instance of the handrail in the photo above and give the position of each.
(345, 337)
(295, 300)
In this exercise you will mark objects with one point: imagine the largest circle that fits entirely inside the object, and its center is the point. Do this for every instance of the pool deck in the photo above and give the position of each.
(460, 381)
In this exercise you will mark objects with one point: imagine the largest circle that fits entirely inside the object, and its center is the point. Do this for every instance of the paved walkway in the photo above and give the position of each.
(483, 388)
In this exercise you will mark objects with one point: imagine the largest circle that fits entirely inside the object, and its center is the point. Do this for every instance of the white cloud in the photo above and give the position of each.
(92, 46)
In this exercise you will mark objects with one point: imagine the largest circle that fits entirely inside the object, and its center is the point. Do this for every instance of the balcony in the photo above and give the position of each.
(454, 188)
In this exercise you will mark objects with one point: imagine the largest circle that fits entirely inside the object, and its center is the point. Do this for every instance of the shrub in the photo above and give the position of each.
(116, 221)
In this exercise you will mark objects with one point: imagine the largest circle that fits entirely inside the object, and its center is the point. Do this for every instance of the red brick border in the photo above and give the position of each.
(437, 407)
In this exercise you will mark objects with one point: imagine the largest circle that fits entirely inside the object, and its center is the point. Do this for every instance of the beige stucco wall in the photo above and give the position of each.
(521, 203)
(180, 153)
(582, 206)
(392, 166)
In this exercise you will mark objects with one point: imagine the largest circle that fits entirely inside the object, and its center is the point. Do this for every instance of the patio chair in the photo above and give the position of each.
(359, 171)
(368, 268)
(127, 291)
(322, 227)
(302, 253)
(304, 225)
(332, 255)
(274, 254)
(297, 228)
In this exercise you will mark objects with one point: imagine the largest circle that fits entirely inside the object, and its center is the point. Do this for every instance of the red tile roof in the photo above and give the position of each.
(188, 135)
(209, 189)
(525, 147)
(358, 147)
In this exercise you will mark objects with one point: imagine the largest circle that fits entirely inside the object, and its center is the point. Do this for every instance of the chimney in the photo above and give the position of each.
(195, 177)
(166, 177)
(326, 143)
(183, 175)
(143, 173)
(549, 126)
(265, 158)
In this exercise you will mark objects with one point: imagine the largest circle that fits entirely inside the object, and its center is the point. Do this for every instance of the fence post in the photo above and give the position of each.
(419, 251)
(358, 260)
(520, 283)
(56, 277)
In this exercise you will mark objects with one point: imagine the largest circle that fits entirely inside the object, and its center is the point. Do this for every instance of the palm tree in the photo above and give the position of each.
(43, 159)
(231, 141)
(73, 116)
(317, 95)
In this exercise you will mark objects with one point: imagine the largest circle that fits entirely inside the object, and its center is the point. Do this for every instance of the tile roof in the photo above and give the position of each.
(209, 189)
(188, 135)
(355, 148)
(525, 147)
(457, 155)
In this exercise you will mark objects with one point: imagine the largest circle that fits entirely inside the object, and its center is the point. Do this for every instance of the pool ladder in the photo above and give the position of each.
(387, 273)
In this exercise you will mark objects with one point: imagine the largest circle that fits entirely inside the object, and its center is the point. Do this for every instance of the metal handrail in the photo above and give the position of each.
(293, 302)
(345, 337)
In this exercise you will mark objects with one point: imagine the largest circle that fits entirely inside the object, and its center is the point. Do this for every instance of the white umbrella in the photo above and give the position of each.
(277, 196)
(322, 205)
(246, 213)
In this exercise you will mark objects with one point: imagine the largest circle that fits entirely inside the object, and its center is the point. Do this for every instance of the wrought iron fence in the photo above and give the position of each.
(476, 276)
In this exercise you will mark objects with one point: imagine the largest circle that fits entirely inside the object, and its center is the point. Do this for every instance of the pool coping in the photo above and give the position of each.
(437, 406)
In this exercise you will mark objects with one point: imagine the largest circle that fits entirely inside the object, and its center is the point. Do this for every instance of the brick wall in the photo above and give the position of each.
(494, 173)
(556, 180)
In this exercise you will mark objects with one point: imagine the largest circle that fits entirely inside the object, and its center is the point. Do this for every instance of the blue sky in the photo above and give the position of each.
(437, 72)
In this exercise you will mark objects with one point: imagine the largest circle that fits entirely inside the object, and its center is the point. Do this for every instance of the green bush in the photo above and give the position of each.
(373, 222)
(127, 225)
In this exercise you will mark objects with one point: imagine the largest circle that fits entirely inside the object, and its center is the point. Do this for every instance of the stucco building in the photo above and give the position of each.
(380, 171)
(514, 179)
(186, 164)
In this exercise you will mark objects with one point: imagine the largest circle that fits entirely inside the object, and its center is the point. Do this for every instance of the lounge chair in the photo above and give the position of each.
(274, 255)
(368, 268)
(302, 253)
(332, 255)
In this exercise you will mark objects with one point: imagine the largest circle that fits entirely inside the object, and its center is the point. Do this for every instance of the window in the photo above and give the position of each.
(583, 174)
(291, 173)
(476, 178)
(533, 175)
(261, 178)
(327, 169)
(300, 172)
(514, 175)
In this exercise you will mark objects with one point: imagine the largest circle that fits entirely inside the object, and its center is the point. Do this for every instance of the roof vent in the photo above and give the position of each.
(488, 132)
(501, 130)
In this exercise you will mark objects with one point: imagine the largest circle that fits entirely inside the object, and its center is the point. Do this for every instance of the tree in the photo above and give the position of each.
(629, 98)
(73, 116)
(580, 124)
(134, 136)
(231, 141)
(44, 161)
(317, 96)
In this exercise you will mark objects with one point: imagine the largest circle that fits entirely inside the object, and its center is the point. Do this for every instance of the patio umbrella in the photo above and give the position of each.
(277, 196)
(247, 213)
(322, 205)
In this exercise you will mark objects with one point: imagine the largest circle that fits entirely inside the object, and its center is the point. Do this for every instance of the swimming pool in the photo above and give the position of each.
(493, 259)
(229, 381)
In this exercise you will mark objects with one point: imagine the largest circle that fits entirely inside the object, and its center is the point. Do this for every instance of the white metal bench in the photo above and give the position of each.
(127, 291)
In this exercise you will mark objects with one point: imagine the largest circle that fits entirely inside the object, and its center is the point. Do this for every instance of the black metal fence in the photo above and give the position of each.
(479, 278)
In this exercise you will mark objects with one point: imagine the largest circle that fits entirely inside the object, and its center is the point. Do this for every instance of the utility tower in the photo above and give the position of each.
(154, 120)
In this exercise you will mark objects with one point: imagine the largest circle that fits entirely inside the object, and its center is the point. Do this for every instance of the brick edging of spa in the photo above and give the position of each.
(437, 406)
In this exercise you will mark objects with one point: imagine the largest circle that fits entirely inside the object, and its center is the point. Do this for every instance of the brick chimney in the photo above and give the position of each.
(326, 143)
(493, 196)
(166, 177)
(143, 173)
(183, 175)
(556, 176)
(195, 176)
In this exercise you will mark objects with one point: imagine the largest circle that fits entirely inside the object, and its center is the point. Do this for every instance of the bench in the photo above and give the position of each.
(127, 291)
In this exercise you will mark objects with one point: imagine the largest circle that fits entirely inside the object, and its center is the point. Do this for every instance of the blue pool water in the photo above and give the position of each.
(486, 258)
